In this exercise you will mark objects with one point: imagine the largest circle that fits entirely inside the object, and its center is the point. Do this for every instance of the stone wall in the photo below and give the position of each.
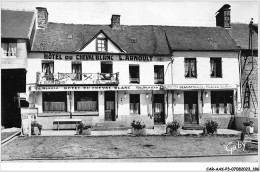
(253, 77)
(224, 121)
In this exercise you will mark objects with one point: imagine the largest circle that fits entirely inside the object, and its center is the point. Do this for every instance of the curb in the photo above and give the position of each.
(143, 157)
(10, 137)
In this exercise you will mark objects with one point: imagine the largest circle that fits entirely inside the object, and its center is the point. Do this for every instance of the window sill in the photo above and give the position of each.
(215, 77)
(134, 113)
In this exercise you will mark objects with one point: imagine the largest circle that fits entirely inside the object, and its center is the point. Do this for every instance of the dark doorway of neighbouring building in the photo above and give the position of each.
(191, 107)
(13, 82)
(110, 106)
(158, 104)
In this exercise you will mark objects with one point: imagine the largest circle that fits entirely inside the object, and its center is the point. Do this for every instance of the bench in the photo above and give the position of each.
(69, 123)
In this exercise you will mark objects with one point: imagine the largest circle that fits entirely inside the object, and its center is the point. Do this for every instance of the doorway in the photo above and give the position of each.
(110, 106)
(191, 107)
(158, 107)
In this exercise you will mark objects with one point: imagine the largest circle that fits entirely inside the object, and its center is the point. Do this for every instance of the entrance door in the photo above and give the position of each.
(158, 106)
(110, 106)
(191, 107)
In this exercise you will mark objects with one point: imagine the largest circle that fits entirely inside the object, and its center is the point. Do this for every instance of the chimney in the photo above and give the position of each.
(223, 16)
(42, 17)
(115, 21)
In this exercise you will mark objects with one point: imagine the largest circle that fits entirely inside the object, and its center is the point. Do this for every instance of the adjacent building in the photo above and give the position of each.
(114, 74)
(18, 29)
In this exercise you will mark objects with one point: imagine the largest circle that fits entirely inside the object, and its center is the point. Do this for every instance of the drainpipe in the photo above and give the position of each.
(70, 103)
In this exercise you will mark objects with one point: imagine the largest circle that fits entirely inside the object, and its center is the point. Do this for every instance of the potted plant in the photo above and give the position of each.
(83, 129)
(172, 127)
(36, 128)
(211, 127)
(138, 128)
(249, 127)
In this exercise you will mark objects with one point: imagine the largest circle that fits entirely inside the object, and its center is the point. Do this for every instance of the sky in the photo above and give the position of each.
(172, 13)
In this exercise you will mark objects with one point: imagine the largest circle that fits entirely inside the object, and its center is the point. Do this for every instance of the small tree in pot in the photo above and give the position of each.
(172, 127)
(36, 128)
(82, 129)
(211, 127)
(249, 127)
(138, 128)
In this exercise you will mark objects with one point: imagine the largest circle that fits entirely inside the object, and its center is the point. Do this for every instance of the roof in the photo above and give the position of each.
(240, 33)
(151, 39)
(16, 24)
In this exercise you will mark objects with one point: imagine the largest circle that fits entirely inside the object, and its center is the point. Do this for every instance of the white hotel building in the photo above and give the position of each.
(113, 74)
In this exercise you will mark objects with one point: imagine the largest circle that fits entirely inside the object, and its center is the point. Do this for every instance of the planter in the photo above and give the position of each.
(35, 131)
(141, 132)
(168, 130)
(86, 131)
(249, 130)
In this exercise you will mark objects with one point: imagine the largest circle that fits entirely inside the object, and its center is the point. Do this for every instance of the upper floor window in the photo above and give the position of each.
(158, 74)
(76, 69)
(101, 44)
(134, 74)
(215, 67)
(47, 67)
(190, 68)
(9, 49)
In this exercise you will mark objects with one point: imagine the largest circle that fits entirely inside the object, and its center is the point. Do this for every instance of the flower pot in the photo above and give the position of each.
(36, 131)
(247, 129)
(251, 129)
(141, 132)
(168, 130)
(86, 131)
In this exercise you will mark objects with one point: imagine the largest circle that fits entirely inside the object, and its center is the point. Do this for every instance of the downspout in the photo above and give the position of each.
(240, 80)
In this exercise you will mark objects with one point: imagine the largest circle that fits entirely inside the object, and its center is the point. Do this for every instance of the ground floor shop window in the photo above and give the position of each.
(54, 101)
(222, 102)
(86, 101)
(135, 103)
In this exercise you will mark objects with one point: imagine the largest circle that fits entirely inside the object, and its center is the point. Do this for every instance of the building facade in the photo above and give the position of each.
(18, 29)
(114, 74)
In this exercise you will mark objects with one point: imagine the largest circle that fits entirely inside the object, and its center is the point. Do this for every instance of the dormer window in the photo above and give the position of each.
(101, 45)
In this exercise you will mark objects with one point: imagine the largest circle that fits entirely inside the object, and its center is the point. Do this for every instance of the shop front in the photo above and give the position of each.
(195, 104)
(99, 104)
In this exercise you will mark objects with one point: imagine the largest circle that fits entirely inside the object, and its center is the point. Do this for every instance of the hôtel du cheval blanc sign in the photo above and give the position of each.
(100, 57)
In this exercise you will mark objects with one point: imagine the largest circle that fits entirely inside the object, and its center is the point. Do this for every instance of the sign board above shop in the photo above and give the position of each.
(96, 88)
(198, 86)
(103, 57)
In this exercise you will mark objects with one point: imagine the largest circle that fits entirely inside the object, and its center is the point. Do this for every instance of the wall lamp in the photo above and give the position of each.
(206, 94)
(147, 95)
(101, 94)
(178, 95)
(125, 95)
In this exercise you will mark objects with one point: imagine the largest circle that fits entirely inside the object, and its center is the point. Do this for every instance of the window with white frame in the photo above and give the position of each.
(9, 49)
(215, 67)
(101, 45)
(190, 68)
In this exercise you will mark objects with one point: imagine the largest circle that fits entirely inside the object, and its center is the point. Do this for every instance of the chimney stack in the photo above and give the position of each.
(42, 17)
(115, 21)
(223, 16)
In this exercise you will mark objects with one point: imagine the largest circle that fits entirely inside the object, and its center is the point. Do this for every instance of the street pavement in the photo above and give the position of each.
(242, 158)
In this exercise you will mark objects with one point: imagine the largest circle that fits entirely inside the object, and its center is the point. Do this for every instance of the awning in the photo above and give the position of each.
(199, 86)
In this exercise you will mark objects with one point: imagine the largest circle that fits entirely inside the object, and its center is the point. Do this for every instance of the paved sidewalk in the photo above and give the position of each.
(128, 132)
